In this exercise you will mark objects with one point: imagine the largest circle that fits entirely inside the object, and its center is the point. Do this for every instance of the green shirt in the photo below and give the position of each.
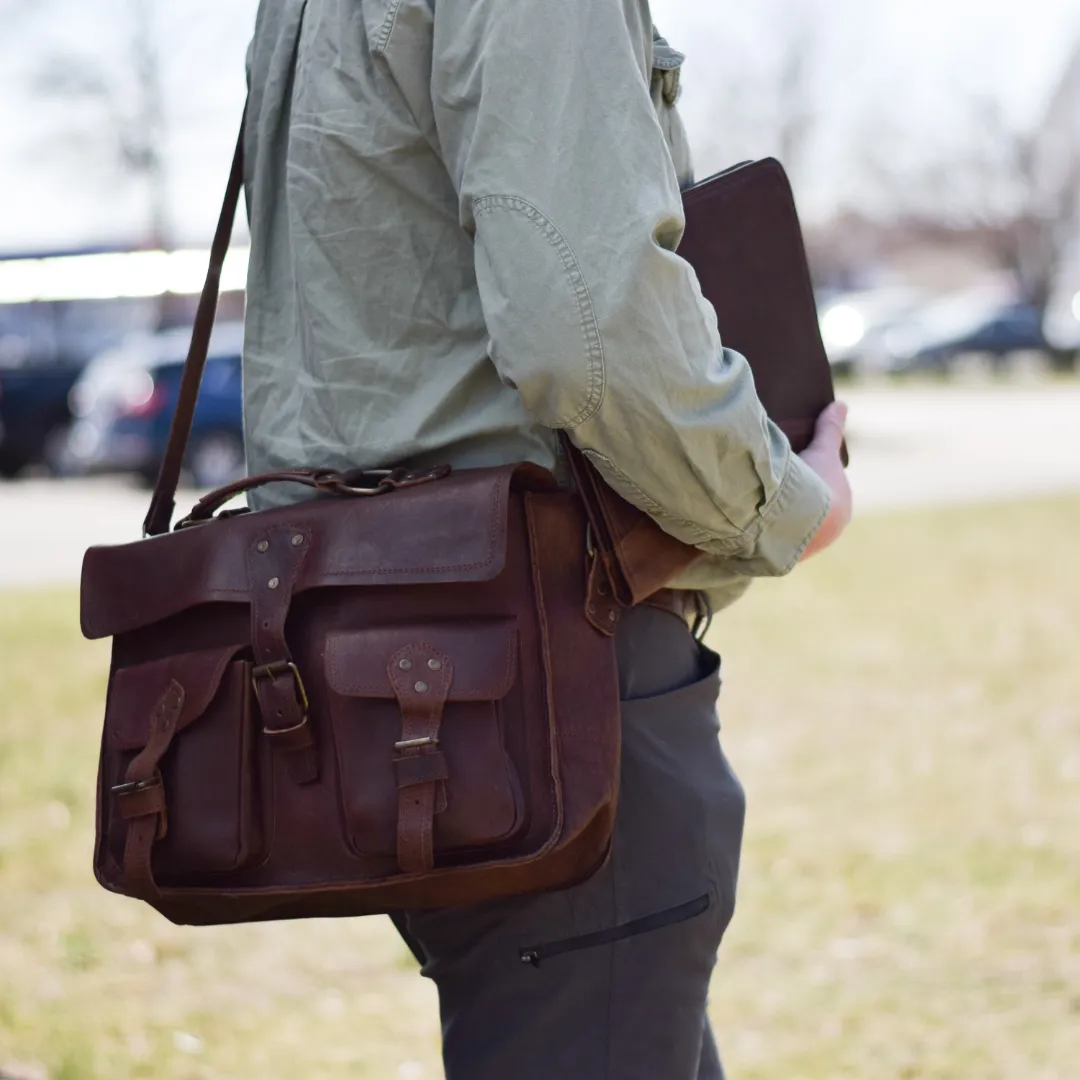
(464, 220)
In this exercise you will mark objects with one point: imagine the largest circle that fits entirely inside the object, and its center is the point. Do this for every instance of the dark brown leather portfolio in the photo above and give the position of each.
(744, 241)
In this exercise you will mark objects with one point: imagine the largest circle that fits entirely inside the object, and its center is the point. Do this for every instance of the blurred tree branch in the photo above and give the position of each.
(130, 103)
(1014, 189)
(767, 90)
(798, 110)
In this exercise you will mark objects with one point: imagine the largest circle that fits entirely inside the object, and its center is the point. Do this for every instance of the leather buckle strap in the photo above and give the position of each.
(426, 767)
(140, 797)
(272, 671)
(274, 562)
(143, 798)
(421, 678)
(132, 786)
(290, 704)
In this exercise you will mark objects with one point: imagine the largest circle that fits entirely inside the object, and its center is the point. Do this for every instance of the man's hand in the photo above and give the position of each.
(823, 456)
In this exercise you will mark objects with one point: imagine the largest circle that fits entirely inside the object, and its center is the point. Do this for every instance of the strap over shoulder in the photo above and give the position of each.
(162, 503)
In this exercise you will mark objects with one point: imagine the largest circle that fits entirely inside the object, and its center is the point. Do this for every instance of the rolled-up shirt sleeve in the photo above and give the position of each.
(546, 124)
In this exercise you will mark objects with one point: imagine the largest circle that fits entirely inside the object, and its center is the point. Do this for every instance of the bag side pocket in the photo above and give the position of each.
(214, 794)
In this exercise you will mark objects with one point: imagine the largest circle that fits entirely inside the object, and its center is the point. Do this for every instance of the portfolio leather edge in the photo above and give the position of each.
(643, 543)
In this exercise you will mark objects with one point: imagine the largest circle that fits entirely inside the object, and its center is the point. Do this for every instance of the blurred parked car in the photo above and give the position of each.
(854, 326)
(958, 329)
(34, 415)
(124, 403)
(43, 348)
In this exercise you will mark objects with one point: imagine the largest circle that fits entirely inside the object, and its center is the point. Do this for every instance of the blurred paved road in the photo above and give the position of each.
(909, 447)
(920, 447)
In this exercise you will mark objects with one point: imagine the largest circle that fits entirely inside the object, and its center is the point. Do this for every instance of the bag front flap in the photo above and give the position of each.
(483, 654)
(449, 530)
(135, 691)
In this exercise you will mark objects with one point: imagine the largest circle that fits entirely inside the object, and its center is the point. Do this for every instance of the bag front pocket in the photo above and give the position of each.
(464, 676)
(204, 762)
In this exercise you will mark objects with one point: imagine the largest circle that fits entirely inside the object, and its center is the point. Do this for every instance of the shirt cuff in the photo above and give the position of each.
(786, 524)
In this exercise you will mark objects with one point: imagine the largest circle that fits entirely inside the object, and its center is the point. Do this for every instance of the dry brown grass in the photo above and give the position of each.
(905, 712)
(906, 717)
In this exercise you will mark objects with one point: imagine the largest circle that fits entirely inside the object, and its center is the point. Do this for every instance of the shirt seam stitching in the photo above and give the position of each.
(387, 27)
(594, 346)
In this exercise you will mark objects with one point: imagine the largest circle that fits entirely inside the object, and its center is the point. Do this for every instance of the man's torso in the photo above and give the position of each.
(365, 340)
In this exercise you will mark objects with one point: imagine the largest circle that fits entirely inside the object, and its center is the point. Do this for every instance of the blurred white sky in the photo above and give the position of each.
(892, 79)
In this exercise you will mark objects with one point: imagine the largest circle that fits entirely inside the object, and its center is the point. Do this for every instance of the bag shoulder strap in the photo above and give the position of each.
(163, 501)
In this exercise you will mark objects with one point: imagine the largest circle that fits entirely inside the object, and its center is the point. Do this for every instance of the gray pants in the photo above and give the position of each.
(608, 980)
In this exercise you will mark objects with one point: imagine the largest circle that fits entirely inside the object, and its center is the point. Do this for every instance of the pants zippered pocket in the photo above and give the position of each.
(536, 954)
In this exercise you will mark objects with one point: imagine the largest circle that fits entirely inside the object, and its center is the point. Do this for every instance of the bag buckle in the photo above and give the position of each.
(352, 483)
(136, 787)
(272, 671)
(378, 481)
(131, 786)
(415, 744)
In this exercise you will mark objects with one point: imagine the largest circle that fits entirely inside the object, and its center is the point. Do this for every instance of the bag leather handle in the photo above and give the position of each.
(351, 484)
(163, 501)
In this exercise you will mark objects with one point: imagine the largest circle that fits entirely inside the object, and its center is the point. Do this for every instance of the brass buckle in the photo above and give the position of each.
(412, 744)
(132, 786)
(280, 667)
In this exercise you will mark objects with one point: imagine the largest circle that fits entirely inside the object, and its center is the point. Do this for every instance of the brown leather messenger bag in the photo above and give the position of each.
(400, 694)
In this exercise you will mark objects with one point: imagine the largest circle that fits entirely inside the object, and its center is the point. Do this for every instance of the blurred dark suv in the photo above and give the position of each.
(997, 335)
(34, 415)
(43, 349)
(124, 402)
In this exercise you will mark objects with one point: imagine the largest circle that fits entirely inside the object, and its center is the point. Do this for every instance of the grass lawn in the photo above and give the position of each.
(905, 714)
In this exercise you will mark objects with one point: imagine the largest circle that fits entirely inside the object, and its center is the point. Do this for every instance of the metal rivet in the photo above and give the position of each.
(274, 582)
(611, 616)
(297, 540)
(435, 665)
(592, 609)
(421, 687)
(262, 547)
(405, 664)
